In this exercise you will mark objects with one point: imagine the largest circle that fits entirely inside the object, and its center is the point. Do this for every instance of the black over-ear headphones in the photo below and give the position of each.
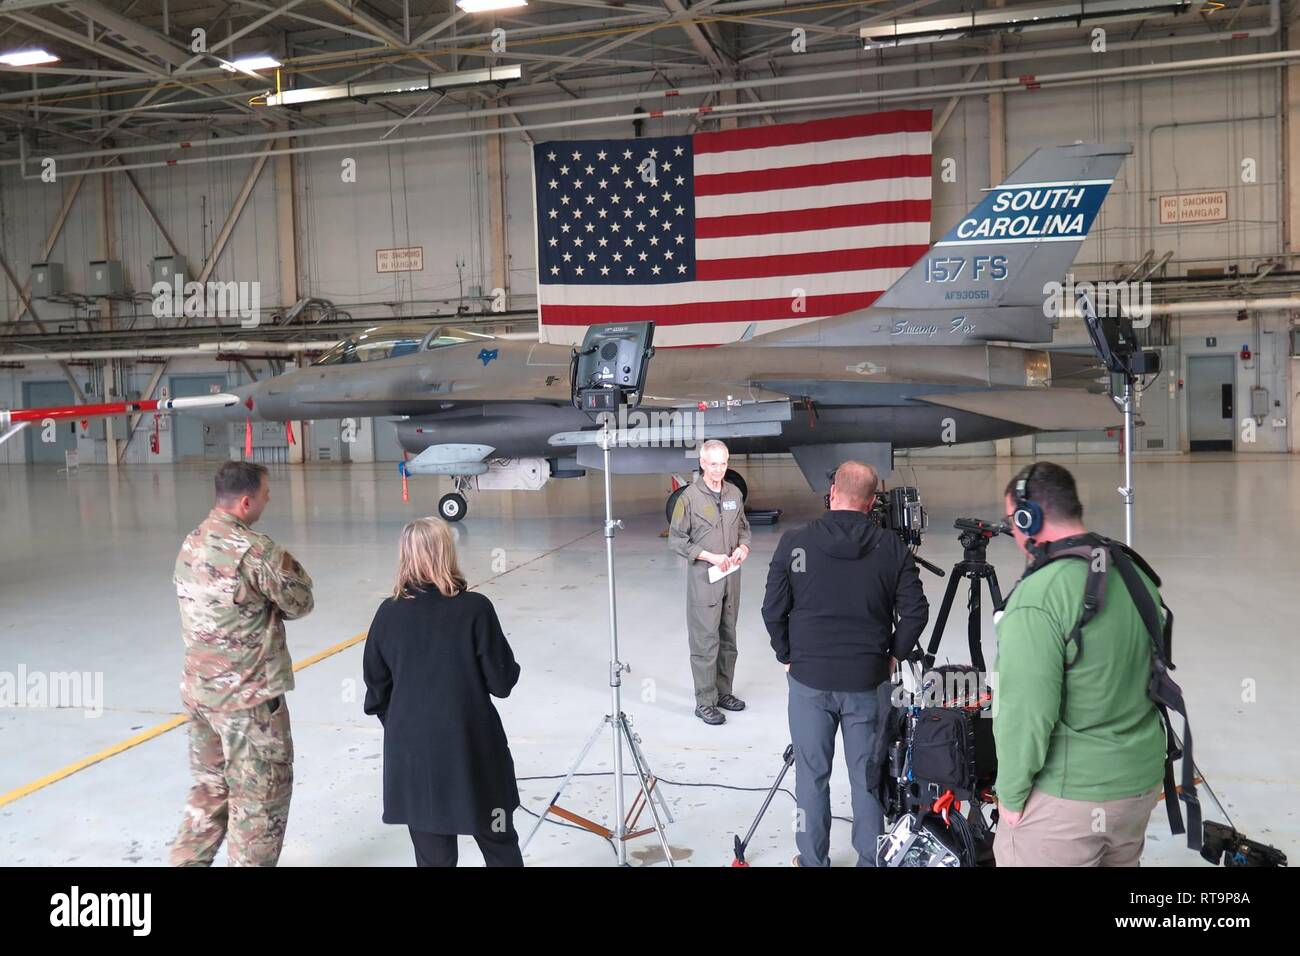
(1028, 516)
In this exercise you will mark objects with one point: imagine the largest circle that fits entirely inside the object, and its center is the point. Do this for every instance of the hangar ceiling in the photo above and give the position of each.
(127, 72)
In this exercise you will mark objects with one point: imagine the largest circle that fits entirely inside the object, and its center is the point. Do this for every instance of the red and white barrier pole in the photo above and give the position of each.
(14, 416)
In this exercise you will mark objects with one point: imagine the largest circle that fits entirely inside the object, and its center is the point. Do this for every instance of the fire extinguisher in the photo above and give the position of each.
(155, 439)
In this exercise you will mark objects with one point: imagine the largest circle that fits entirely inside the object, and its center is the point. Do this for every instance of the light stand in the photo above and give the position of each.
(1126, 490)
(605, 398)
(1117, 347)
(624, 821)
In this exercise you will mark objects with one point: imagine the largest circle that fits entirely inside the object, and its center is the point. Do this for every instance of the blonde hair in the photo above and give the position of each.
(426, 556)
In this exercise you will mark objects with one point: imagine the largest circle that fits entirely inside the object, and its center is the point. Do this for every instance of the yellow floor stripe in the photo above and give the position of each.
(145, 736)
(180, 720)
(93, 759)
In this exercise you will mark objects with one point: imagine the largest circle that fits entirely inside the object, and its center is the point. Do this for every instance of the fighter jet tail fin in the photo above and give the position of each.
(1024, 234)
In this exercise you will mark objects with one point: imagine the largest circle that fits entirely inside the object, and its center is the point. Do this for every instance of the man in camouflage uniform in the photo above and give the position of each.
(236, 589)
(709, 529)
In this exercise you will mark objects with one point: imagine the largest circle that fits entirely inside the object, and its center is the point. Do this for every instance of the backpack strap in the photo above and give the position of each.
(1166, 695)
(1083, 546)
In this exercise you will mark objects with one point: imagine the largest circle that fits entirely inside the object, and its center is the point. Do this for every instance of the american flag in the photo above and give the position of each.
(705, 234)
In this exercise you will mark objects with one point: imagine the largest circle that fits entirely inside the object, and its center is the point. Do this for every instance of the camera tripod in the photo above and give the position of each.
(974, 567)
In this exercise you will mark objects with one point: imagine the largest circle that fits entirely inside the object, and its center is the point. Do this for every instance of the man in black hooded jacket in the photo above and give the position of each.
(843, 597)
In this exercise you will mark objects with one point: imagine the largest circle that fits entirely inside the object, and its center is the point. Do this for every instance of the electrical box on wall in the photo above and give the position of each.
(105, 278)
(120, 427)
(1295, 340)
(165, 268)
(1258, 402)
(47, 279)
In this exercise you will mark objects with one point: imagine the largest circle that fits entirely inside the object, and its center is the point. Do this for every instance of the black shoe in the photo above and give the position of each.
(731, 702)
(710, 715)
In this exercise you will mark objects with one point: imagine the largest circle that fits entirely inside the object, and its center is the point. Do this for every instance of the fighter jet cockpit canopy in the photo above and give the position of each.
(390, 341)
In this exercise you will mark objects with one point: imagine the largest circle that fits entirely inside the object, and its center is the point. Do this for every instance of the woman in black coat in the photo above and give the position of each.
(434, 654)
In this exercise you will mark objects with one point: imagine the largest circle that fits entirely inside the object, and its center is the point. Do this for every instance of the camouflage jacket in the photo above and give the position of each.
(236, 589)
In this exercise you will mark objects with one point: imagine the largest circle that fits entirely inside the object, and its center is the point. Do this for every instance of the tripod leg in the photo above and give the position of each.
(638, 760)
(941, 621)
(638, 755)
(767, 802)
(973, 626)
(994, 591)
(541, 817)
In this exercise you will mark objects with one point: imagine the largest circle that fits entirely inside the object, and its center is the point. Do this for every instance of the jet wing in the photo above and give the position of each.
(1045, 409)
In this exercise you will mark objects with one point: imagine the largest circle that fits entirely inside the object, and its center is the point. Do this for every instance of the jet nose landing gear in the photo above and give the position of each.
(452, 506)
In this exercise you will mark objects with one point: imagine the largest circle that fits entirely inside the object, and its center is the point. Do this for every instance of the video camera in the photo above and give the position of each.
(897, 509)
(900, 510)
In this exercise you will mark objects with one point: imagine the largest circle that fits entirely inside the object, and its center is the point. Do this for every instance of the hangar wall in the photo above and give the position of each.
(1188, 135)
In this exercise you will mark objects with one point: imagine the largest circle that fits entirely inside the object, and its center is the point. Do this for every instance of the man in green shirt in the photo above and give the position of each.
(1081, 748)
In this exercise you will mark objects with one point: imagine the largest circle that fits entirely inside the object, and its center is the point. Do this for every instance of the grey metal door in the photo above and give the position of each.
(195, 440)
(325, 440)
(1211, 400)
(47, 443)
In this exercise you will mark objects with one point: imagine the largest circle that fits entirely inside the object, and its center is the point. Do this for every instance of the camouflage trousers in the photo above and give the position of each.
(242, 763)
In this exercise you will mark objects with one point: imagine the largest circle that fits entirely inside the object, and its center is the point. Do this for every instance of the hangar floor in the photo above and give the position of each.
(85, 585)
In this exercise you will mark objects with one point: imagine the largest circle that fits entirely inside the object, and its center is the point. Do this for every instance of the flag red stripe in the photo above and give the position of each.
(804, 220)
(809, 263)
(820, 174)
(817, 131)
(746, 310)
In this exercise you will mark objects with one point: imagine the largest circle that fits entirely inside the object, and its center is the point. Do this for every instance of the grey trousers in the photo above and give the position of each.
(711, 632)
(814, 717)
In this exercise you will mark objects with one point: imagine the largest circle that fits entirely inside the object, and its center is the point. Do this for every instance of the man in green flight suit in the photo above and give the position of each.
(709, 529)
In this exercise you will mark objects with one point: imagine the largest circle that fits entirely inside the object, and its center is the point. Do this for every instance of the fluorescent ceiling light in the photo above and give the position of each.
(27, 58)
(414, 84)
(251, 63)
(486, 6)
(1020, 19)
